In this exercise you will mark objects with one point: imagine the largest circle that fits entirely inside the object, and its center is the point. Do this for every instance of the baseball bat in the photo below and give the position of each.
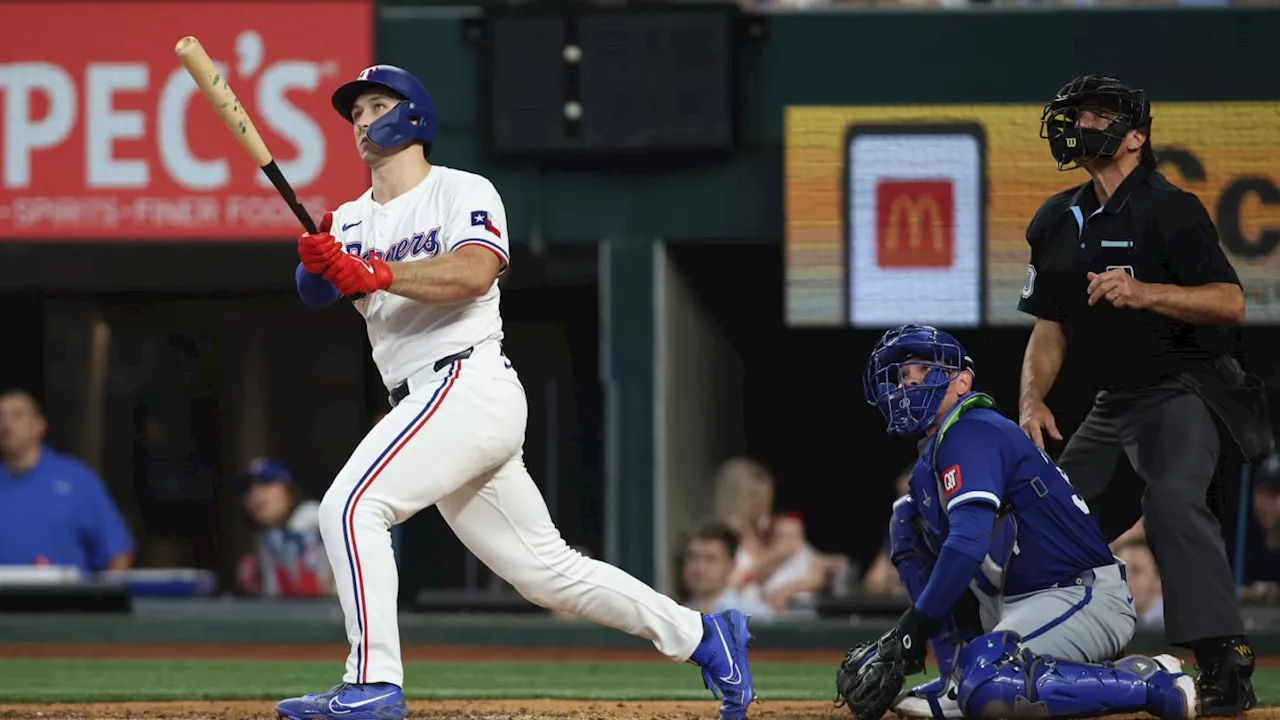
(215, 89)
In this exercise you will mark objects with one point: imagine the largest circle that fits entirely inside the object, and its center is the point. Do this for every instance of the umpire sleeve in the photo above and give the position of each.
(1037, 295)
(1191, 243)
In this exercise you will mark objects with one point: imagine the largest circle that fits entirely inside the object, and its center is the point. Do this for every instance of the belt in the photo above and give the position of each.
(1088, 576)
(401, 391)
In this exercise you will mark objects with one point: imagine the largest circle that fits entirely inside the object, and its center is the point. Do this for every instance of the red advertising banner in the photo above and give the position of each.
(104, 135)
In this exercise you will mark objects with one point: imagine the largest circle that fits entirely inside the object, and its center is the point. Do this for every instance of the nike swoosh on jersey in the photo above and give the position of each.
(348, 226)
(342, 708)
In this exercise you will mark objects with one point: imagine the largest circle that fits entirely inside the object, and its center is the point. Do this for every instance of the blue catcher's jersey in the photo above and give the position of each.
(1044, 533)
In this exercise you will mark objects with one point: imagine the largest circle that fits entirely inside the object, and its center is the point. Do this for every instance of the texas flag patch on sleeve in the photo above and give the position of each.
(951, 480)
(480, 218)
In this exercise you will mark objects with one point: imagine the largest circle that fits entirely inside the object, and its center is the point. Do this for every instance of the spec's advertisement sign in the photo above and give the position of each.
(106, 136)
(882, 234)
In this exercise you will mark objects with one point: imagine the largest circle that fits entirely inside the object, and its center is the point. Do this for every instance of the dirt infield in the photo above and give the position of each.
(466, 710)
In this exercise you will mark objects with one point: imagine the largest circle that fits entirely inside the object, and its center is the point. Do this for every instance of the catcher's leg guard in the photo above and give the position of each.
(999, 678)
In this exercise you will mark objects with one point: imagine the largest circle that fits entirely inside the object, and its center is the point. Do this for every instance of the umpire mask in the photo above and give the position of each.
(1123, 108)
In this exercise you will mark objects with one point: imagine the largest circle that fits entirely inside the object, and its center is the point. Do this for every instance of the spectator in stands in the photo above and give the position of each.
(744, 492)
(54, 509)
(706, 568)
(801, 572)
(1144, 582)
(290, 559)
(1266, 501)
(744, 501)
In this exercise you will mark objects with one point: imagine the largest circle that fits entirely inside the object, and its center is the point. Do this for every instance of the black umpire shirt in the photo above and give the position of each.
(1157, 233)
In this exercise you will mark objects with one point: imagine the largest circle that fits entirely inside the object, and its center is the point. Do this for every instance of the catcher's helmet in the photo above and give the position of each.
(1126, 108)
(912, 409)
(414, 118)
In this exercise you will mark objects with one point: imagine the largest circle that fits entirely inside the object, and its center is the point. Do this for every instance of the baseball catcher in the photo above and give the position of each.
(1009, 578)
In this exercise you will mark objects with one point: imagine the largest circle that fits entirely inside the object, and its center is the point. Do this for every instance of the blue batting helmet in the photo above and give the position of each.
(414, 118)
(911, 409)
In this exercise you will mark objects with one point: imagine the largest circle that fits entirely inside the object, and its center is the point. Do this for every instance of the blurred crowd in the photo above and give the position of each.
(746, 555)
(56, 512)
(750, 556)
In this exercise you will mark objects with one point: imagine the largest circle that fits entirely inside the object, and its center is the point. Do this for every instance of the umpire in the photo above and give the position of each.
(1126, 271)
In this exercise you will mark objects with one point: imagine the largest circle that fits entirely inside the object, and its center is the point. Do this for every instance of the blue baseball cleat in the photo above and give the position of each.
(722, 655)
(375, 701)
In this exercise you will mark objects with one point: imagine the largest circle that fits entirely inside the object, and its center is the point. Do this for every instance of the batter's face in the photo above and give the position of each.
(707, 567)
(367, 108)
(22, 427)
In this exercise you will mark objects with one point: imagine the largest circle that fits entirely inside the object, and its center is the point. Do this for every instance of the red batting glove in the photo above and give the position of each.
(355, 276)
(318, 251)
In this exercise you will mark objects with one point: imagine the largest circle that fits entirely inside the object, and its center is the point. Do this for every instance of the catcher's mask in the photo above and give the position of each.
(1123, 107)
(910, 407)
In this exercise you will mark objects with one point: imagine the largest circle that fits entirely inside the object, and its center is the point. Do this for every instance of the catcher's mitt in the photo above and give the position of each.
(868, 684)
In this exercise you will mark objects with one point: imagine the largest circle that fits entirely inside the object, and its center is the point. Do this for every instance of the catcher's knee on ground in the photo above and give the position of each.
(999, 678)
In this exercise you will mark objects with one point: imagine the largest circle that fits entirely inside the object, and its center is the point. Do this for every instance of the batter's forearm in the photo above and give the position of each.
(1212, 304)
(447, 279)
(1042, 360)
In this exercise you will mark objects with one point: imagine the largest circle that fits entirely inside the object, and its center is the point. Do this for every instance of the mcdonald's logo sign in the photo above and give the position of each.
(915, 223)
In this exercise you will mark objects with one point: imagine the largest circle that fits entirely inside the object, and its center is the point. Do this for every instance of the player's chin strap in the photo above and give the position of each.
(1005, 512)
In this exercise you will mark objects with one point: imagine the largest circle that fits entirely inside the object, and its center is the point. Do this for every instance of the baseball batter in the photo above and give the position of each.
(420, 253)
(1008, 574)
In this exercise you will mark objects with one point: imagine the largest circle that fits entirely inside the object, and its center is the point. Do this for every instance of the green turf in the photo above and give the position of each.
(26, 681)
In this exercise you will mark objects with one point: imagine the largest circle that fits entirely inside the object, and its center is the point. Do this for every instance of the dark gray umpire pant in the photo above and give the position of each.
(1154, 452)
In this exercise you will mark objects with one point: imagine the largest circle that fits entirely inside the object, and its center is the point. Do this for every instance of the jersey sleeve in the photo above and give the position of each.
(1037, 295)
(479, 218)
(1192, 249)
(971, 464)
(102, 528)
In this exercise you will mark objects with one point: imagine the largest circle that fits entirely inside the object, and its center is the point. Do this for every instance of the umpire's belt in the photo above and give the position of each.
(401, 391)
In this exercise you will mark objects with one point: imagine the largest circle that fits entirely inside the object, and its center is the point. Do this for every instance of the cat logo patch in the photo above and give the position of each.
(951, 480)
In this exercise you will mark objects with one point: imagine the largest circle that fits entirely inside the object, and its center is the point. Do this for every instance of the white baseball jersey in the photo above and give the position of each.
(449, 209)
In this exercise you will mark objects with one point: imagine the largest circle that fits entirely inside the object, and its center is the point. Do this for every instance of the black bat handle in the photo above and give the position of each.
(272, 171)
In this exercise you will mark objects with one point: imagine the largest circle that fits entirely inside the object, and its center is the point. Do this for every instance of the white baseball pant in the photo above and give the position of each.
(456, 441)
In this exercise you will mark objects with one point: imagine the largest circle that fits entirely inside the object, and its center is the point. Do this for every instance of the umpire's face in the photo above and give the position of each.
(1094, 117)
